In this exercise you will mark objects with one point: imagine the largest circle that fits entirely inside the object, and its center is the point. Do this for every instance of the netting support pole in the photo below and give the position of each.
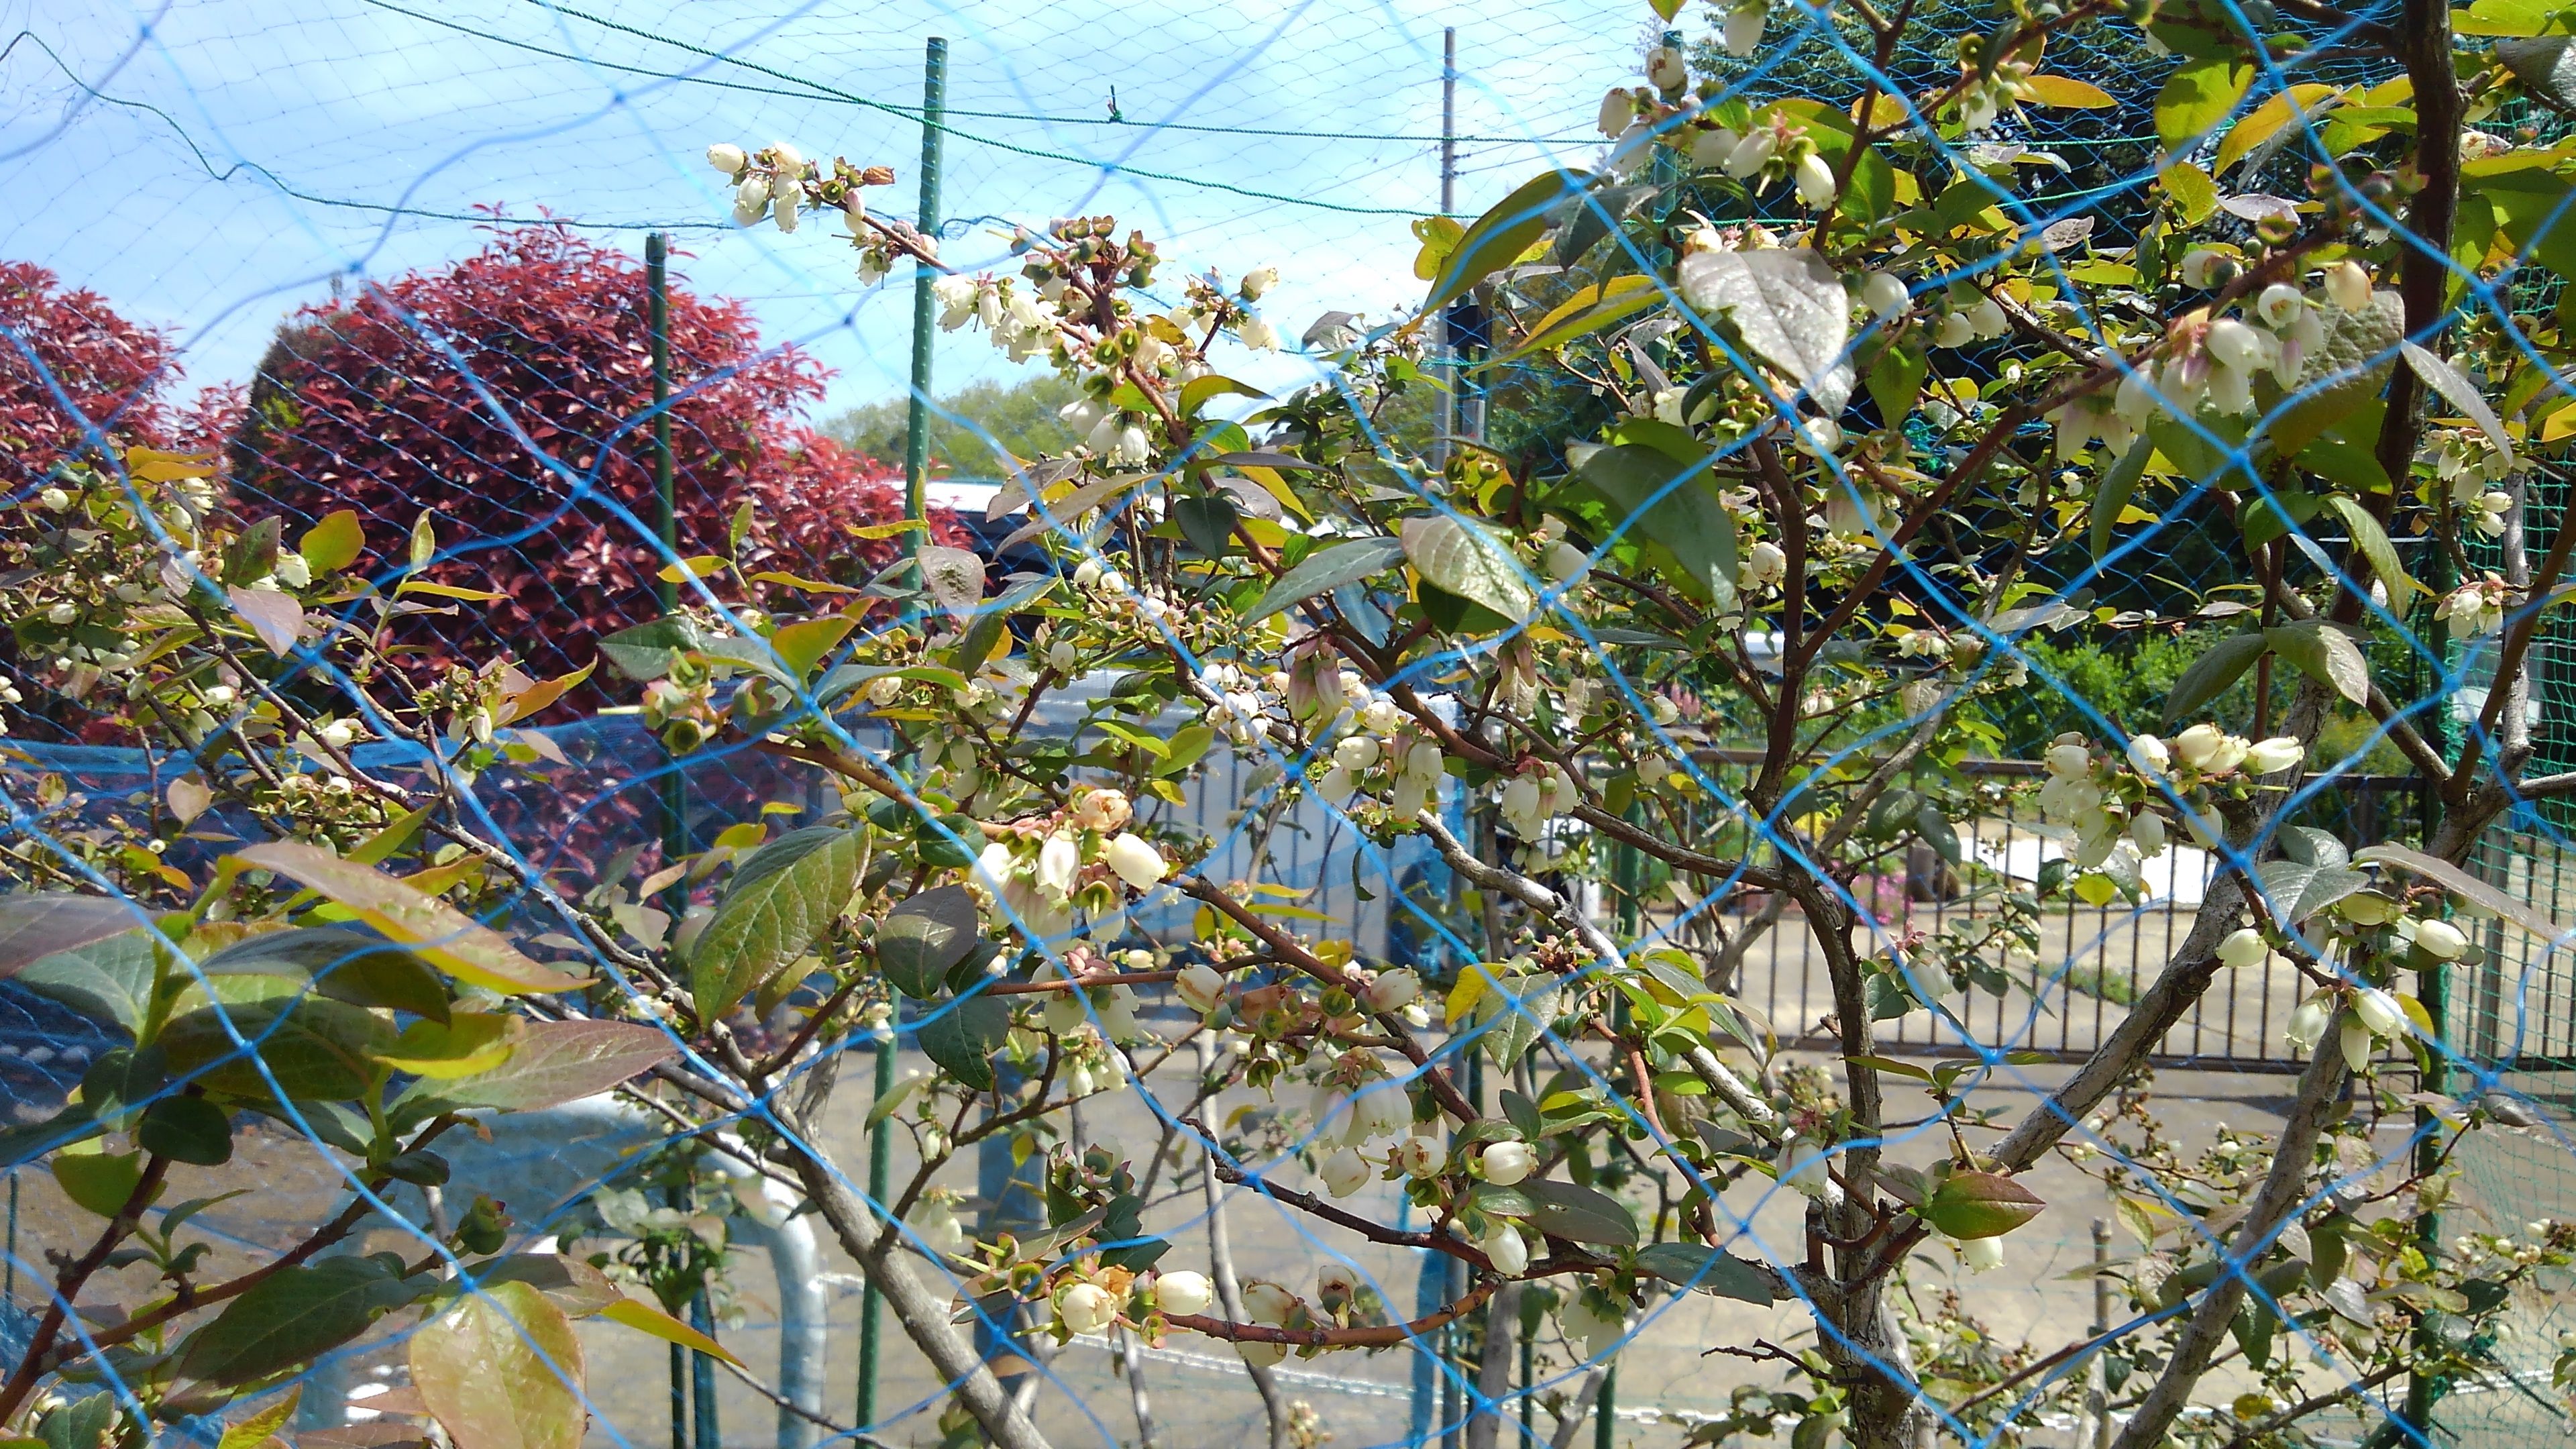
(666, 522)
(880, 1167)
(1447, 426)
(2097, 1382)
(702, 1378)
(916, 433)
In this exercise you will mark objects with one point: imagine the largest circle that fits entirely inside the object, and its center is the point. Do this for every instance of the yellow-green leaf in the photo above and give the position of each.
(1587, 312)
(256, 1430)
(333, 544)
(803, 644)
(2265, 120)
(2068, 92)
(502, 1369)
(645, 1318)
(2197, 97)
(466, 1043)
(441, 934)
(2193, 193)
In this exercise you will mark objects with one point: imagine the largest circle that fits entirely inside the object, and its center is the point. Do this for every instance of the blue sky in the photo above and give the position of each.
(208, 165)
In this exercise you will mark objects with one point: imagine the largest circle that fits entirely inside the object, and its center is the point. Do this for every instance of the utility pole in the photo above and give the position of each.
(1447, 426)
(916, 441)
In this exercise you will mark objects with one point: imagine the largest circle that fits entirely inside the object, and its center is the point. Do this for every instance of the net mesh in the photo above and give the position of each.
(390, 258)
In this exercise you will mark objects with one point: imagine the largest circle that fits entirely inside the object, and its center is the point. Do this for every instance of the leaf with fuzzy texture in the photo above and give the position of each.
(1789, 306)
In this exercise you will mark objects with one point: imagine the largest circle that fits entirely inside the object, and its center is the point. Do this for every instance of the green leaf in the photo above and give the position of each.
(2299, 889)
(2325, 654)
(343, 965)
(922, 938)
(963, 1037)
(334, 543)
(2199, 97)
(1980, 1205)
(2464, 885)
(1207, 522)
(2195, 195)
(2344, 463)
(106, 980)
(2372, 541)
(1689, 1265)
(1463, 559)
(2118, 483)
(777, 904)
(35, 926)
(186, 1129)
(101, 1182)
(1586, 312)
(2455, 387)
(294, 1316)
(801, 645)
(1579, 1214)
(2311, 846)
(2209, 675)
(2263, 518)
(645, 652)
(465, 1045)
(2348, 371)
(502, 1369)
(83, 1423)
(1896, 380)
(445, 936)
(576, 1287)
(1498, 237)
(1325, 570)
(308, 1044)
(1789, 306)
(1686, 528)
(555, 1062)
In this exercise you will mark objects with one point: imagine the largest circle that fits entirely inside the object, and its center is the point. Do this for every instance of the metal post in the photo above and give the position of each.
(9, 1294)
(679, 1397)
(657, 286)
(880, 1166)
(2097, 1382)
(1448, 204)
(1605, 1410)
(702, 1377)
(666, 519)
(2432, 986)
(916, 439)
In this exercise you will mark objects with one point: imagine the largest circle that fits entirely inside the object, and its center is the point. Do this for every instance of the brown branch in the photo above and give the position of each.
(1375, 1336)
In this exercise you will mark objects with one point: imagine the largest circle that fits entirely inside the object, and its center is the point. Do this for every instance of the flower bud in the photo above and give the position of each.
(1258, 281)
(1201, 985)
(726, 158)
(2198, 745)
(1085, 1308)
(2231, 343)
(1815, 181)
(2379, 1012)
(1982, 1255)
(1709, 150)
(2271, 756)
(1955, 330)
(2355, 1039)
(1743, 29)
(2280, 303)
(1183, 1291)
(1884, 293)
(1504, 1247)
(1508, 1162)
(1393, 990)
(1567, 564)
(2348, 285)
(2307, 1025)
(2440, 940)
(1344, 1172)
(2195, 269)
(1618, 108)
(1666, 71)
(1136, 861)
(2243, 948)
(2148, 755)
(1753, 152)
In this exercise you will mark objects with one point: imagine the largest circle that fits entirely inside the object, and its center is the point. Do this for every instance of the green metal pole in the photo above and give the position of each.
(880, 1168)
(657, 287)
(1605, 1410)
(702, 1376)
(679, 1397)
(657, 283)
(916, 439)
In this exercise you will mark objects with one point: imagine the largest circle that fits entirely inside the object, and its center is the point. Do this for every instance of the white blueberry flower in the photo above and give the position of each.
(1344, 1171)
(1393, 990)
(2348, 286)
(2307, 1025)
(1753, 152)
(1183, 1291)
(1508, 1162)
(1743, 29)
(1505, 1248)
(2379, 1011)
(2440, 940)
(727, 158)
(1085, 1307)
(1256, 282)
(2149, 756)
(1201, 985)
(2279, 303)
(2242, 948)
(1136, 861)
(1815, 181)
(1884, 294)
(1618, 110)
(2271, 756)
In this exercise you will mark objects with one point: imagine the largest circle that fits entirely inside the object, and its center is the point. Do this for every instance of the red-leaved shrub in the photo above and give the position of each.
(111, 370)
(508, 393)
